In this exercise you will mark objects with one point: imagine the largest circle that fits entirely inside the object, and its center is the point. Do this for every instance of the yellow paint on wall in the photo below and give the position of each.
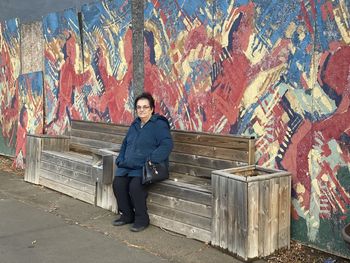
(259, 85)
(342, 18)
(290, 30)
(320, 96)
(300, 189)
(315, 186)
(258, 54)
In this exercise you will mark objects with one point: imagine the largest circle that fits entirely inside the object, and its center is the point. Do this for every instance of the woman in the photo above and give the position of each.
(148, 138)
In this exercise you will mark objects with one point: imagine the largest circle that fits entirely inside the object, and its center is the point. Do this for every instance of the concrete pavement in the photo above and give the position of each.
(43, 226)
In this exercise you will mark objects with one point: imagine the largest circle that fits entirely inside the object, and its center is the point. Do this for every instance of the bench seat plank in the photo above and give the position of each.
(180, 191)
(189, 231)
(180, 204)
(180, 216)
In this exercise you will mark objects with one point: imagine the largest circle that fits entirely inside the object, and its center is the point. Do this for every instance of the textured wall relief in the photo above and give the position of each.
(32, 47)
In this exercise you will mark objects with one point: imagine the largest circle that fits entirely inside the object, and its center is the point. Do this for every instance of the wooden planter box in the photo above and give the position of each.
(251, 210)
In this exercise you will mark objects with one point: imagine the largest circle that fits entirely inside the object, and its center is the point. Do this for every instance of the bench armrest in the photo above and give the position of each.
(105, 157)
(106, 151)
(59, 143)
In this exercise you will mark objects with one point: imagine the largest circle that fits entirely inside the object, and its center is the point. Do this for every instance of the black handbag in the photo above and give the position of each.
(154, 172)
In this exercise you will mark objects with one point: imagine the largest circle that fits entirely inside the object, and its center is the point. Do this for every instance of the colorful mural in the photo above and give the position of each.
(63, 78)
(107, 38)
(178, 61)
(276, 70)
(31, 114)
(9, 71)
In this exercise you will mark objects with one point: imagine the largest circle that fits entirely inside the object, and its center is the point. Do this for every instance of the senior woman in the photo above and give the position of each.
(148, 138)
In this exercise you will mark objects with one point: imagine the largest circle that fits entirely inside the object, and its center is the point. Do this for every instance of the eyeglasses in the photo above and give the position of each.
(142, 107)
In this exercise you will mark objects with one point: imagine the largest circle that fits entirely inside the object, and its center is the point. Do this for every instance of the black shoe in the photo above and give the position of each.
(120, 222)
(136, 228)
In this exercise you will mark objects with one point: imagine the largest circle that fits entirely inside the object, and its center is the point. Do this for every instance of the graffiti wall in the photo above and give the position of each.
(30, 118)
(107, 37)
(9, 71)
(276, 70)
(63, 78)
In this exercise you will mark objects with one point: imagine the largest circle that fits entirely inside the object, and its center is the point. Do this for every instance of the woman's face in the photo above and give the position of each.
(143, 110)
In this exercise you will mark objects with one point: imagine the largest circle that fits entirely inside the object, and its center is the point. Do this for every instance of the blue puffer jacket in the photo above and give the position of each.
(152, 142)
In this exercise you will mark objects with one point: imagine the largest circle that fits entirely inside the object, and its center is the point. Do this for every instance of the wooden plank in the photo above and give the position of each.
(242, 220)
(183, 217)
(264, 218)
(105, 197)
(237, 142)
(69, 182)
(86, 197)
(67, 156)
(274, 209)
(72, 174)
(202, 161)
(101, 135)
(33, 156)
(284, 212)
(211, 151)
(253, 220)
(233, 210)
(94, 143)
(251, 152)
(99, 126)
(215, 223)
(108, 169)
(192, 182)
(181, 228)
(223, 184)
(180, 192)
(59, 144)
(189, 170)
(67, 163)
(180, 204)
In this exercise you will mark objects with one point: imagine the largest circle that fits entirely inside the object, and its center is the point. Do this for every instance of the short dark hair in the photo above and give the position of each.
(145, 96)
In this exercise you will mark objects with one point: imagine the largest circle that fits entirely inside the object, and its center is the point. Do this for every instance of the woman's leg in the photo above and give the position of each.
(138, 193)
(121, 185)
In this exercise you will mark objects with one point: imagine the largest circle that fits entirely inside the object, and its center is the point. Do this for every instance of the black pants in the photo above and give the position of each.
(131, 197)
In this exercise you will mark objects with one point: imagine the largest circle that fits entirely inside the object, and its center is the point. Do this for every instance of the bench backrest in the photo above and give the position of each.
(86, 136)
(198, 153)
(194, 153)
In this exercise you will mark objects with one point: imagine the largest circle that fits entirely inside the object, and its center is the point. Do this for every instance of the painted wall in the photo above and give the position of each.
(108, 55)
(9, 72)
(277, 70)
(63, 77)
(31, 112)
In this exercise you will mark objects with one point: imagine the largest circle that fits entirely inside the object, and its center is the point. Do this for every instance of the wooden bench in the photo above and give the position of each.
(82, 165)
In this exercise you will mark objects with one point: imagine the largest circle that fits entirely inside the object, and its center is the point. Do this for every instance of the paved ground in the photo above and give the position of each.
(43, 226)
